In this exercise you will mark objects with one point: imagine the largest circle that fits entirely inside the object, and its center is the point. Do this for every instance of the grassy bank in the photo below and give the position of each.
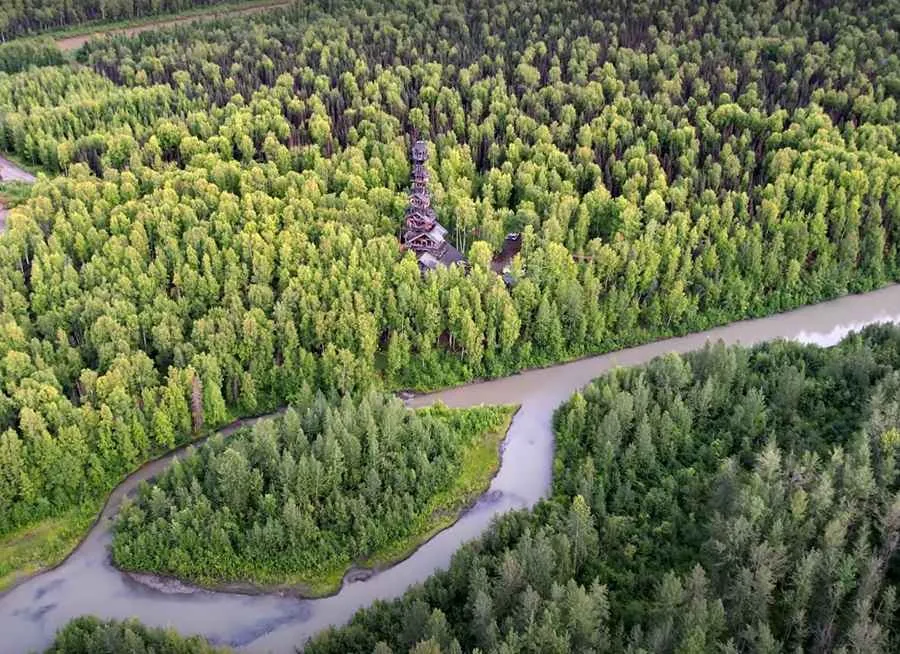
(12, 194)
(481, 462)
(44, 544)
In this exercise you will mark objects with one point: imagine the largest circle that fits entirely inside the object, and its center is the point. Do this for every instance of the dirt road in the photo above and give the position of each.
(10, 172)
(75, 42)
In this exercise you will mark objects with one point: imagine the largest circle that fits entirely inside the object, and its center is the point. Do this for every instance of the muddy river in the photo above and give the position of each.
(87, 583)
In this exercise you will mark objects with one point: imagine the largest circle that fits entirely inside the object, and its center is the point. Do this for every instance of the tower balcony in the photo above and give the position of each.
(420, 222)
(419, 202)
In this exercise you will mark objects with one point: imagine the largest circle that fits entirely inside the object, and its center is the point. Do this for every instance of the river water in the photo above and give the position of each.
(87, 584)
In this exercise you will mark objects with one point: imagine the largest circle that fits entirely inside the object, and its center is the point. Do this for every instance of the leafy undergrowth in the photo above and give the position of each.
(43, 545)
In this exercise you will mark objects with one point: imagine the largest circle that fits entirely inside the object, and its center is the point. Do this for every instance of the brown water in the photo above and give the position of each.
(75, 42)
(87, 583)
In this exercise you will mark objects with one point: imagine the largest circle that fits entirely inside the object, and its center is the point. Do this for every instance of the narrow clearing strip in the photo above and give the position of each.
(70, 43)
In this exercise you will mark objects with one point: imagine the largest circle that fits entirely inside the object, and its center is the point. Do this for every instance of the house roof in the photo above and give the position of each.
(451, 256)
(438, 232)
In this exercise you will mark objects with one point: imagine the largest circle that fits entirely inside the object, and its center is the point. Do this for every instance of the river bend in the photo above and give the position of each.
(88, 584)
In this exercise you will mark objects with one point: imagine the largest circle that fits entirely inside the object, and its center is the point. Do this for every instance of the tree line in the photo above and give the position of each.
(301, 497)
(227, 224)
(88, 634)
(21, 55)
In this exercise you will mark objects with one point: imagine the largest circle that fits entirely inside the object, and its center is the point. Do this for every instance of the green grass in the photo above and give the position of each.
(43, 544)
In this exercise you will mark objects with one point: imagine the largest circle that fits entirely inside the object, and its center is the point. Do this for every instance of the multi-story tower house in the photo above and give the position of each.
(423, 234)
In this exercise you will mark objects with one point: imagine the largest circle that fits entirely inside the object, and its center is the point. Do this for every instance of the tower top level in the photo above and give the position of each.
(419, 152)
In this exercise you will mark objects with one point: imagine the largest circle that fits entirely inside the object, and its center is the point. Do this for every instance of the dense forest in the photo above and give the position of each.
(19, 17)
(299, 499)
(223, 230)
(732, 500)
(233, 193)
(89, 635)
